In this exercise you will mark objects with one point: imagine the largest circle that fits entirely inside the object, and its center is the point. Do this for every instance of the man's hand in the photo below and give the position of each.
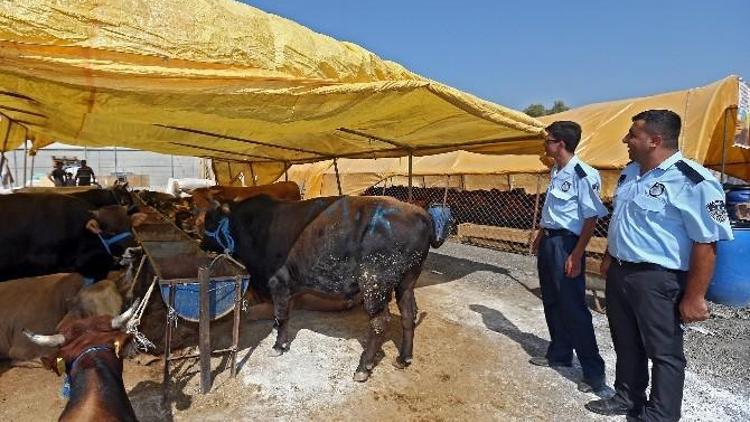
(693, 309)
(604, 267)
(573, 264)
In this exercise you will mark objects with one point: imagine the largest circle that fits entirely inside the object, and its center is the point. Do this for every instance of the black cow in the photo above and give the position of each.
(116, 195)
(49, 233)
(339, 245)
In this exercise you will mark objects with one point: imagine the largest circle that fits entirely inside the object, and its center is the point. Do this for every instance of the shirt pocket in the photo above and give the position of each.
(561, 195)
(649, 205)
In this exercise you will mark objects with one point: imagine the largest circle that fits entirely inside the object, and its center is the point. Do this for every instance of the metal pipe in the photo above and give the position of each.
(286, 172)
(410, 176)
(252, 173)
(31, 176)
(204, 331)
(25, 158)
(724, 149)
(338, 178)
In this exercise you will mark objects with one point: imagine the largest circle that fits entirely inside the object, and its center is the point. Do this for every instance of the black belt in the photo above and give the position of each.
(558, 232)
(644, 266)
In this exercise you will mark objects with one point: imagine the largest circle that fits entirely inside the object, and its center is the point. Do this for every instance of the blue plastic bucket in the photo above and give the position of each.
(731, 282)
(736, 195)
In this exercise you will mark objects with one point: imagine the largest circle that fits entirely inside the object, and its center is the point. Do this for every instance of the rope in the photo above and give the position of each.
(142, 342)
(113, 239)
(222, 231)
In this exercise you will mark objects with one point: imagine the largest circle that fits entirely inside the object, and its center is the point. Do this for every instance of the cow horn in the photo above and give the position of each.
(42, 340)
(120, 320)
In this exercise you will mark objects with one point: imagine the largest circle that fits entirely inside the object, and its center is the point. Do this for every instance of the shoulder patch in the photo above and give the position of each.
(689, 172)
(622, 178)
(580, 171)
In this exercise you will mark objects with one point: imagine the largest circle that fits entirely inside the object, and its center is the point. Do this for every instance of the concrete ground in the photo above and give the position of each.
(480, 321)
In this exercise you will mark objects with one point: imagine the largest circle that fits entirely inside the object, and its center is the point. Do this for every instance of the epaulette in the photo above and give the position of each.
(580, 171)
(689, 172)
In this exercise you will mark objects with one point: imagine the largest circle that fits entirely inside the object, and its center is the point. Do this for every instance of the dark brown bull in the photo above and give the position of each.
(41, 303)
(90, 353)
(334, 246)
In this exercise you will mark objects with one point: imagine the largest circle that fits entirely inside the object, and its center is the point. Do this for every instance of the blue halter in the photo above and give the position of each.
(222, 231)
(112, 240)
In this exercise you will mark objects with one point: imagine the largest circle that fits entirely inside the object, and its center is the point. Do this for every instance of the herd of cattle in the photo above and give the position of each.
(64, 272)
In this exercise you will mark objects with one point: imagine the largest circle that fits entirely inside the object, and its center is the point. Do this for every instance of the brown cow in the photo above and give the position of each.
(90, 353)
(41, 303)
(203, 198)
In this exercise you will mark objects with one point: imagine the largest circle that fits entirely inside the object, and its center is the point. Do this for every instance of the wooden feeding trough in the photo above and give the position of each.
(195, 287)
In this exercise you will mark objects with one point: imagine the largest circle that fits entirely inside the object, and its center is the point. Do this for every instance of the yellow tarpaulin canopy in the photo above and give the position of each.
(220, 79)
(604, 125)
(704, 126)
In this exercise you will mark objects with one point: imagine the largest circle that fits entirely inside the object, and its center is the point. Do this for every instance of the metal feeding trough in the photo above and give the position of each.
(195, 287)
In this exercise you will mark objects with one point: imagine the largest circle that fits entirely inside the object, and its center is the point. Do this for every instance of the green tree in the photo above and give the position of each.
(535, 110)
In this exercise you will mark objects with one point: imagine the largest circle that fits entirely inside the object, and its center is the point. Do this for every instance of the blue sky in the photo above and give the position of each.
(517, 53)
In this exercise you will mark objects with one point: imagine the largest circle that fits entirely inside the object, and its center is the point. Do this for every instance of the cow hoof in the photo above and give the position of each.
(361, 376)
(276, 352)
(401, 364)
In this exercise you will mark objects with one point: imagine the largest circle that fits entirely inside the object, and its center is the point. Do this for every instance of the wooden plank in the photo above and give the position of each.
(493, 234)
(204, 331)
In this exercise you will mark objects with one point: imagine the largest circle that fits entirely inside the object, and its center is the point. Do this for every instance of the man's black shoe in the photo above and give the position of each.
(542, 361)
(591, 386)
(608, 407)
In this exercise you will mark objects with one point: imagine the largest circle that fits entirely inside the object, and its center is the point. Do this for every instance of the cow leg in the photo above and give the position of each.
(407, 306)
(281, 300)
(375, 338)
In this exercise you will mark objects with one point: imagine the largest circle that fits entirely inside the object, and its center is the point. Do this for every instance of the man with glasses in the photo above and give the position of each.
(571, 208)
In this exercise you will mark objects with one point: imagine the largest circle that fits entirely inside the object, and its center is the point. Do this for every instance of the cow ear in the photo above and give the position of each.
(138, 218)
(226, 209)
(93, 226)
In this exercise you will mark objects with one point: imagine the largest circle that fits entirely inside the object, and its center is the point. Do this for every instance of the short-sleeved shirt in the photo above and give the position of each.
(572, 197)
(84, 175)
(59, 176)
(658, 215)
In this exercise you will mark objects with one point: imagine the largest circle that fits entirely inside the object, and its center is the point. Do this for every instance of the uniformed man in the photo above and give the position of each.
(669, 213)
(85, 175)
(571, 208)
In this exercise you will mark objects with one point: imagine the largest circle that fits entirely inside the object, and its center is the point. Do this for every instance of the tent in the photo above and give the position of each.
(703, 109)
(223, 80)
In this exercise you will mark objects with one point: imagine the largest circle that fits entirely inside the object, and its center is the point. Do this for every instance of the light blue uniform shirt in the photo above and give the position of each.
(659, 215)
(572, 198)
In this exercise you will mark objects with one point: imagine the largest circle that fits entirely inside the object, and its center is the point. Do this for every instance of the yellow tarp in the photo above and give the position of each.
(703, 126)
(220, 79)
(603, 124)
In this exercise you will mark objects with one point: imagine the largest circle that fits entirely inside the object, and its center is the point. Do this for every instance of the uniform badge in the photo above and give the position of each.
(565, 186)
(596, 187)
(656, 190)
(717, 210)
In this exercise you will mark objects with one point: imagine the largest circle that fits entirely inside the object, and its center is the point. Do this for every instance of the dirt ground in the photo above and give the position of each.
(480, 321)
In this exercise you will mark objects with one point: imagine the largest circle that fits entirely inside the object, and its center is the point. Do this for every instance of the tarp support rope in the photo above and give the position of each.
(142, 342)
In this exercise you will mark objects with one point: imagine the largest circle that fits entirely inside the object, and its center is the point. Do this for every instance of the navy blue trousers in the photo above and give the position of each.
(564, 299)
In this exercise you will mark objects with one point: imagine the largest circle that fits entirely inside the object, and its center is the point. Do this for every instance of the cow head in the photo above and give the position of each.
(215, 234)
(114, 219)
(77, 336)
(122, 193)
(101, 298)
(203, 201)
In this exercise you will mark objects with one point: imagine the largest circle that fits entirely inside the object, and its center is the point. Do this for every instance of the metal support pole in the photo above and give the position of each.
(25, 158)
(204, 331)
(445, 194)
(168, 342)
(236, 327)
(536, 213)
(286, 172)
(171, 159)
(338, 177)
(724, 149)
(252, 174)
(410, 177)
(231, 176)
(115, 160)
(31, 177)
